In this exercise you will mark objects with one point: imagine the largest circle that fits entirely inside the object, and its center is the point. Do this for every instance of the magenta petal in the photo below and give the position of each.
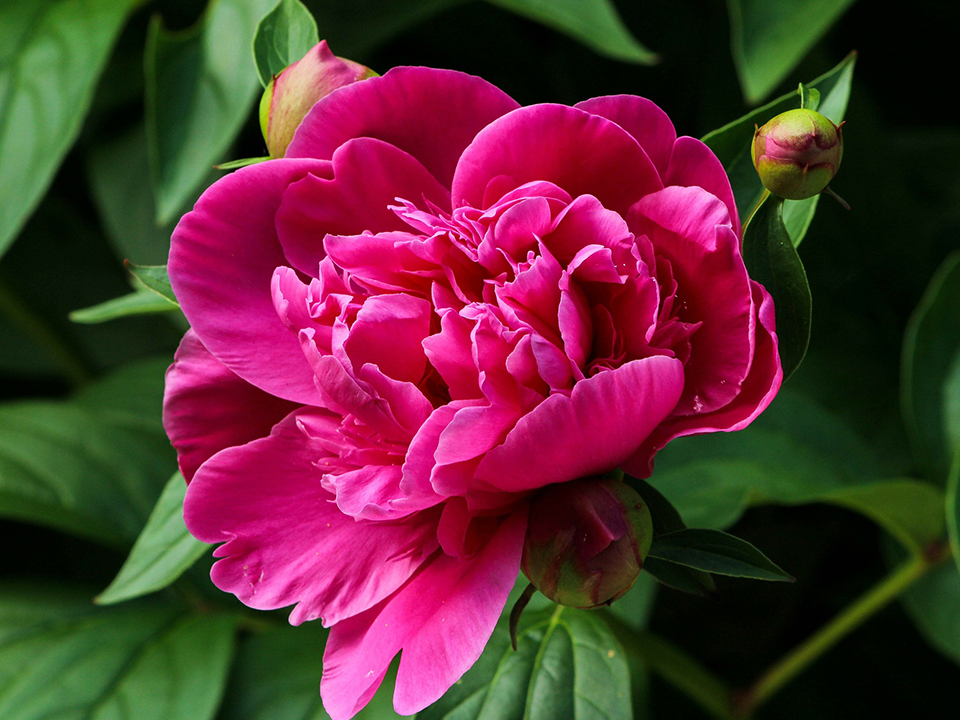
(756, 393)
(603, 422)
(388, 333)
(690, 228)
(581, 153)
(694, 164)
(286, 540)
(441, 620)
(207, 408)
(368, 176)
(641, 118)
(430, 114)
(222, 259)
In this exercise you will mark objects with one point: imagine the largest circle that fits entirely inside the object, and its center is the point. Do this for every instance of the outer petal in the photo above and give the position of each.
(207, 408)
(431, 114)
(580, 152)
(222, 259)
(691, 228)
(441, 620)
(756, 393)
(694, 164)
(287, 542)
(603, 422)
(368, 176)
(641, 118)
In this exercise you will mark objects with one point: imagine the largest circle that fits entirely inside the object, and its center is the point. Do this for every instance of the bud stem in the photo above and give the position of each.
(517, 611)
(843, 203)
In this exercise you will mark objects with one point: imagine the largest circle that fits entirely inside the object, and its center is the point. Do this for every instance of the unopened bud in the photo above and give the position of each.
(290, 95)
(586, 541)
(797, 153)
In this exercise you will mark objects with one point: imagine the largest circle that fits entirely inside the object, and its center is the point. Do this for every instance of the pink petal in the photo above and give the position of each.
(581, 153)
(694, 164)
(222, 257)
(641, 118)
(207, 408)
(441, 620)
(756, 393)
(368, 176)
(430, 114)
(603, 422)
(690, 228)
(286, 540)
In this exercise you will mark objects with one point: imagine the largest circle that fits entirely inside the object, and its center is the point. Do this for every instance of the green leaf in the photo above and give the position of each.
(162, 553)
(932, 604)
(595, 23)
(243, 162)
(284, 35)
(953, 507)
(201, 84)
(155, 278)
(714, 551)
(732, 144)
(141, 302)
(568, 666)
(61, 657)
(636, 607)
(93, 465)
(809, 97)
(662, 512)
(51, 54)
(931, 371)
(772, 260)
(769, 39)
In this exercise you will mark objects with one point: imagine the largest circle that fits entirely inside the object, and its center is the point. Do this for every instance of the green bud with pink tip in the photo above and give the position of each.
(797, 153)
(290, 94)
(586, 541)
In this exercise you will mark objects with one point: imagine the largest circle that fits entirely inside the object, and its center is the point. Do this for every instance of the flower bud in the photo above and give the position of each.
(586, 541)
(290, 95)
(797, 153)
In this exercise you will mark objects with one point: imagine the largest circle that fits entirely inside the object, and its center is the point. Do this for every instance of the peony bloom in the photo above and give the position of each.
(436, 304)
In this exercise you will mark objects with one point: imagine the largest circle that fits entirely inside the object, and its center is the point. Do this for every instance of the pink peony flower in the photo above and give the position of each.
(437, 303)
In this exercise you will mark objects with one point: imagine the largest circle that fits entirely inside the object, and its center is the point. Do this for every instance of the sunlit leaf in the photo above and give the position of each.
(51, 54)
(284, 35)
(155, 278)
(770, 38)
(139, 302)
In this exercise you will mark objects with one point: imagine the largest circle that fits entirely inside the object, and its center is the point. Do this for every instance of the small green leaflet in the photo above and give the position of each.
(162, 553)
(140, 302)
(284, 35)
(154, 277)
(717, 552)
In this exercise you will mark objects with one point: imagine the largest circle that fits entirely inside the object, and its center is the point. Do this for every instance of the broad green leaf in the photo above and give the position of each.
(51, 54)
(277, 677)
(595, 23)
(953, 507)
(155, 278)
(772, 260)
(201, 84)
(162, 553)
(284, 35)
(732, 144)
(92, 465)
(714, 551)
(931, 371)
(932, 603)
(636, 606)
(568, 666)
(140, 302)
(769, 39)
(62, 657)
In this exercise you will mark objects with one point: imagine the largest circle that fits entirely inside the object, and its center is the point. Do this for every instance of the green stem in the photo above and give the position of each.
(74, 368)
(797, 660)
